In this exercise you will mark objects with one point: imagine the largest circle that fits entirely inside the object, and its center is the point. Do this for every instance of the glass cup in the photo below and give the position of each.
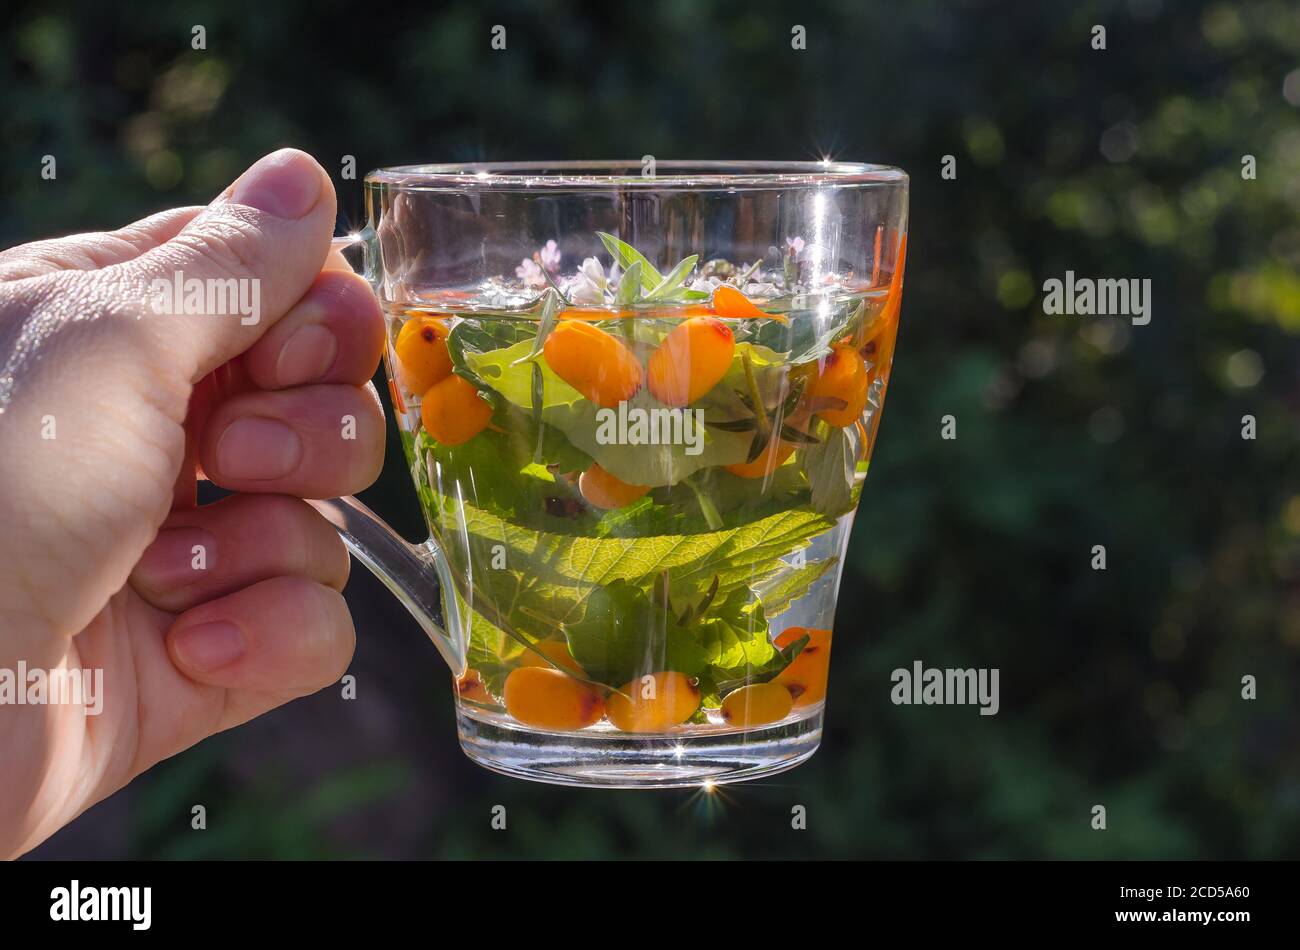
(637, 403)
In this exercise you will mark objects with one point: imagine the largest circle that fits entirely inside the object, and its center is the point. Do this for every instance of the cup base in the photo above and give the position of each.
(612, 759)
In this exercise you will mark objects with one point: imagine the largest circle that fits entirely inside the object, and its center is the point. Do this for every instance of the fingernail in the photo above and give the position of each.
(306, 356)
(178, 557)
(258, 448)
(285, 183)
(208, 646)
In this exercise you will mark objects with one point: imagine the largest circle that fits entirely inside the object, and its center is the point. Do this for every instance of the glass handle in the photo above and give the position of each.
(362, 243)
(414, 573)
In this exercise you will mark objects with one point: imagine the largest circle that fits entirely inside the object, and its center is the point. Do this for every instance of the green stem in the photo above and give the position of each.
(707, 508)
(760, 410)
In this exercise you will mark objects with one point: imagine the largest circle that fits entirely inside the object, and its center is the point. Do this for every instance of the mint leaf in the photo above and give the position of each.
(735, 635)
(498, 471)
(546, 321)
(830, 466)
(719, 684)
(791, 583)
(629, 285)
(506, 371)
(526, 443)
(667, 288)
(468, 338)
(623, 635)
(809, 334)
(547, 577)
(625, 255)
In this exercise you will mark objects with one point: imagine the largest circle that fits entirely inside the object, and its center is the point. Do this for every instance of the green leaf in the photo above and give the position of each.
(857, 325)
(629, 285)
(487, 664)
(554, 573)
(546, 321)
(790, 434)
(626, 255)
(791, 583)
(468, 338)
(830, 467)
(525, 445)
(735, 635)
(623, 635)
(667, 287)
(539, 421)
(793, 649)
(720, 684)
(550, 279)
(502, 371)
(498, 470)
(809, 334)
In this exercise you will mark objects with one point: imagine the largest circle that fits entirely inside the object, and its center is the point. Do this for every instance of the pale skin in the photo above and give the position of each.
(98, 523)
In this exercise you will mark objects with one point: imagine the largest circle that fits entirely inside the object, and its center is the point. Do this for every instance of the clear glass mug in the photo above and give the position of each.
(638, 405)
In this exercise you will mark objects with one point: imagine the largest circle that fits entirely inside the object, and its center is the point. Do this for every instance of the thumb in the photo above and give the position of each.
(232, 272)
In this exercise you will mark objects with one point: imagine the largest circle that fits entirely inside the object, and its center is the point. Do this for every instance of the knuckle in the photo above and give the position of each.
(229, 244)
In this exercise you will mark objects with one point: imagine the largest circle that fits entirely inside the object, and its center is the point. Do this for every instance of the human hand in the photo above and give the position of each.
(109, 411)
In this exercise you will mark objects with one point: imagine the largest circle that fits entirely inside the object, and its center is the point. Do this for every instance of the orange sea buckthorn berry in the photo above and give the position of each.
(453, 412)
(588, 313)
(470, 686)
(880, 347)
(757, 705)
(653, 703)
(773, 457)
(557, 651)
(548, 699)
(842, 375)
(895, 301)
(680, 311)
(690, 361)
(805, 677)
(395, 393)
(881, 352)
(595, 363)
(422, 355)
(729, 302)
(603, 490)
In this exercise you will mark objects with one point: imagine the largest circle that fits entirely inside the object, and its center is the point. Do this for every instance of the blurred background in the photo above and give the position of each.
(1119, 687)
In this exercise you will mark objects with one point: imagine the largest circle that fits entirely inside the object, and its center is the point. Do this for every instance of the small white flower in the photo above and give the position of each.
(588, 284)
(793, 246)
(594, 272)
(549, 256)
(580, 291)
(530, 273)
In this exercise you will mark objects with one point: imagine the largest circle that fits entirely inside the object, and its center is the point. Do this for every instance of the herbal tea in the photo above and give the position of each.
(643, 481)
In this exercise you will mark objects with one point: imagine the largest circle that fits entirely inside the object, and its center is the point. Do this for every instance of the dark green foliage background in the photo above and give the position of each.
(1119, 687)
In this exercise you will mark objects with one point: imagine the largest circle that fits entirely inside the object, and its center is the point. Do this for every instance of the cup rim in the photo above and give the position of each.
(670, 175)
